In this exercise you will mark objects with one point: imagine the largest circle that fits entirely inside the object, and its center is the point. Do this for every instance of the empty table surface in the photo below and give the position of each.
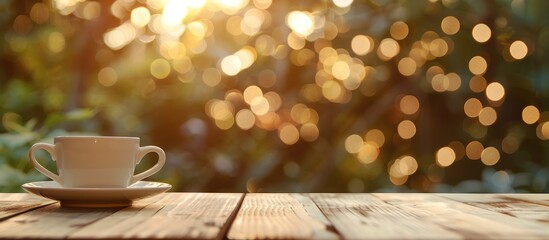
(284, 216)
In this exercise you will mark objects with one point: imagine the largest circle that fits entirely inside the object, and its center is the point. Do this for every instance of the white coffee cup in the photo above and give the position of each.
(96, 161)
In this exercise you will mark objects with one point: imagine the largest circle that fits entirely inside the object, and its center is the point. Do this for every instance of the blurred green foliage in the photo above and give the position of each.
(56, 78)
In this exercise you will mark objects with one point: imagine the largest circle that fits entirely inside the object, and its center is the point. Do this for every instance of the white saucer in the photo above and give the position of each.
(96, 197)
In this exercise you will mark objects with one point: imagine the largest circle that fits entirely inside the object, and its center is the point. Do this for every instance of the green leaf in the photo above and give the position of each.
(14, 140)
(79, 114)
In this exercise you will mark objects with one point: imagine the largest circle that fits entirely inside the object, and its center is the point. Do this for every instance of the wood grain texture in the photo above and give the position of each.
(283, 216)
(364, 216)
(173, 215)
(280, 216)
(16, 203)
(468, 221)
(524, 206)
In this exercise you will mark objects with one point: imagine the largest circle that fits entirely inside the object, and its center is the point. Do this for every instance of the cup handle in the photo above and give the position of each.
(50, 148)
(159, 164)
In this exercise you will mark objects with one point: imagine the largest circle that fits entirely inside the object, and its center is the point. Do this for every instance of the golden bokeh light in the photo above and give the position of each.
(438, 47)
(182, 65)
(478, 84)
(495, 91)
(401, 168)
(288, 134)
(174, 13)
(487, 116)
(375, 136)
(445, 156)
(450, 25)
(454, 82)
(198, 29)
(107, 76)
(172, 50)
(140, 16)
(333, 91)
(264, 70)
(231, 65)
(224, 120)
(22, 24)
(88, 10)
(478, 65)
(252, 92)
(260, 105)
(211, 77)
(407, 66)
(399, 30)
(473, 150)
(246, 56)
(406, 129)
(530, 114)
(353, 143)
(368, 152)
(542, 130)
(490, 156)
(342, 3)
(296, 42)
(230, 7)
(341, 70)
(39, 13)
(252, 21)
(388, 48)
(275, 101)
(262, 4)
(518, 50)
(440, 83)
(301, 114)
(245, 119)
(362, 44)
(233, 25)
(510, 144)
(397, 181)
(481, 33)
(309, 132)
(472, 107)
(120, 36)
(302, 23)
(160, 68)
(409, 104)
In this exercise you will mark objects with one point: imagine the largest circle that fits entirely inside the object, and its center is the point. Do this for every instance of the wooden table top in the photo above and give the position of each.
(285, 215)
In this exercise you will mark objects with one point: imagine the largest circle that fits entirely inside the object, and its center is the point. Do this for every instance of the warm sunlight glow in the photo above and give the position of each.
(140, 16)
(231, 65)
(301, 23)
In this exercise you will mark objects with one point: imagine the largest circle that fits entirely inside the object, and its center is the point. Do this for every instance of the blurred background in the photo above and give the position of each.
(287, 96)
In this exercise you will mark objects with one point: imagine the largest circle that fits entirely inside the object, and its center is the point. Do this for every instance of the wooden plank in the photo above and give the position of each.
(542, 199)
(280, 216)
(363, 216)
(173, 215)
(466, 220)
(51, 221)
(16, 203)
(523, 206)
